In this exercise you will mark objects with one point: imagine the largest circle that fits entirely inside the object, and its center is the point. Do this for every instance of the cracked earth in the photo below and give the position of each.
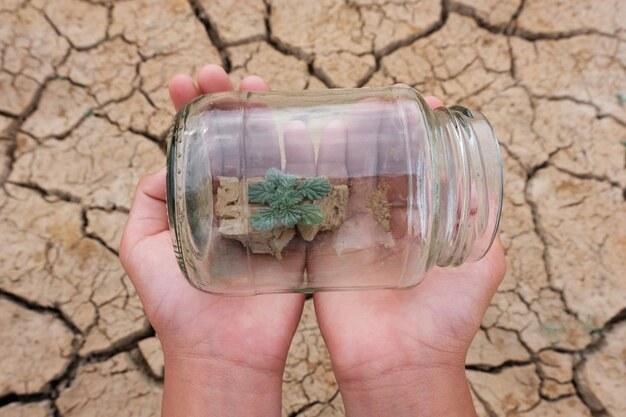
(84, 113)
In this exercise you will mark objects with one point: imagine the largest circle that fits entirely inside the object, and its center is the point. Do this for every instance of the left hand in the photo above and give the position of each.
(225, 354)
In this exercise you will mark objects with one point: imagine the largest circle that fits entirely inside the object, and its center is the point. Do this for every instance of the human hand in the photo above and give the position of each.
(394, 352)
(223, 355)
(402, 352)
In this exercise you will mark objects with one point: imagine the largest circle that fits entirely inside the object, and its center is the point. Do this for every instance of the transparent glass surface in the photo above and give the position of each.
(328, 190)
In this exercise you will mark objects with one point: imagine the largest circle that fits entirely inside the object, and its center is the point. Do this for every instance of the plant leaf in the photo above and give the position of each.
(280, 178)
(310, 214)
(314, 188)
(264, 219)
(289, 180)
(274, 175)
(260, 192)
(284, 199)
(289, 218)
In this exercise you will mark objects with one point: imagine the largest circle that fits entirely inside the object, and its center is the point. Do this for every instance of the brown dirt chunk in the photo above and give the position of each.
(333, 207)
(380, 206)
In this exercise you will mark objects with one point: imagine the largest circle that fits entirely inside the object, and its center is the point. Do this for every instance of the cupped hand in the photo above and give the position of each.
(211, 340)
(393, 352)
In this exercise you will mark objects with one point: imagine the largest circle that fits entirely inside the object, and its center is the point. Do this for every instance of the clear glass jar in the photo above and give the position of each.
(328, 190)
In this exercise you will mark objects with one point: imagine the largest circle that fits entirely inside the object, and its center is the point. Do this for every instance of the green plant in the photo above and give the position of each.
(285, 196)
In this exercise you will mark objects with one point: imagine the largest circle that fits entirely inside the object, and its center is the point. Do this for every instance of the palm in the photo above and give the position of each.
(395, 329)
(256, 330)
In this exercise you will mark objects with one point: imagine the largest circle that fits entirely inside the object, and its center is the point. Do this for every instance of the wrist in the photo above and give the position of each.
(206, 387)
(423, 391)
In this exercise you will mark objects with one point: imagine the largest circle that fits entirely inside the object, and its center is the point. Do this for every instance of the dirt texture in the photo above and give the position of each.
(380, 207)
(84, 112)
(333, 207)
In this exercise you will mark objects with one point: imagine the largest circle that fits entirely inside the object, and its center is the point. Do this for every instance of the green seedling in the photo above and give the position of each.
(286, 196)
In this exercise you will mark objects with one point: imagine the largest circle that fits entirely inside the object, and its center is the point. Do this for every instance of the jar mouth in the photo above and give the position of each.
(494, 178)
(470, 188)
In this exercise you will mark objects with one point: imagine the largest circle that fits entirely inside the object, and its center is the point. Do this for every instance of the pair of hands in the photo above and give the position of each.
(394, 352)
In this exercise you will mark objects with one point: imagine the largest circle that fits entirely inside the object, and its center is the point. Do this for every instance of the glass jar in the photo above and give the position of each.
(328, 190)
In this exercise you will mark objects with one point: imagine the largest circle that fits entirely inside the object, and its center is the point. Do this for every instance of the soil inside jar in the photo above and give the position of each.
(362, 196)
(380, 206)
(234, 220)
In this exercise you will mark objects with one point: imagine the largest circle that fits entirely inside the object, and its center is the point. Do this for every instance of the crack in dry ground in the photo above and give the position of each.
(319, 74)
(511, 29)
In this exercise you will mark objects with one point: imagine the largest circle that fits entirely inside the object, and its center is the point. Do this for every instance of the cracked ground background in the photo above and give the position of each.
(84, 112)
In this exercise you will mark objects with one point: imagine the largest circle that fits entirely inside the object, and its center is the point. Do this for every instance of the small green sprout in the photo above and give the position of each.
(284, 193)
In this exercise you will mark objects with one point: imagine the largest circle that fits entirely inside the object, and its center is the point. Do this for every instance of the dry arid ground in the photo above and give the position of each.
(84, 111)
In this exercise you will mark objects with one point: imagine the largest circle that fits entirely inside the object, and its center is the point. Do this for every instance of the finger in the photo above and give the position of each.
(402, 159)
(182, 90)
(231, 149)
(262, 150)
(213, 79)
(331, 161)
(261, 137)
(492, 267)
(148, 214)
(363, 123)
(253, 83)
(433, 102)
(392, 142)
(496, 263)
(299, 152)
(222, 126)
(394, 169)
